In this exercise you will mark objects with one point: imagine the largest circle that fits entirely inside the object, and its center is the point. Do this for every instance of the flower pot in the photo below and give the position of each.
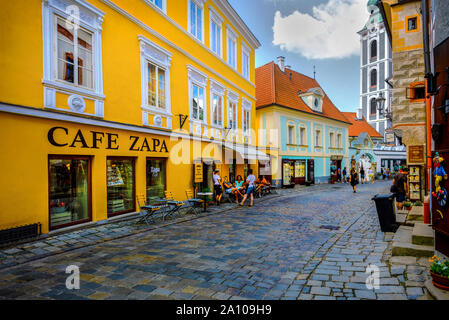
(440, 281)
(408, 208)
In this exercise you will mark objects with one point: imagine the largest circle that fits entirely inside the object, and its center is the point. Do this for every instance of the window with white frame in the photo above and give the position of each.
(232, 47)
(155, 70)
(233, 99)
(197, 94)
(159, 3)
(196, 18)
(317, 138)
(245, 62)
(246, 116)
(339, 141)
(216, 22)
(72, 45)
(217, 103)
(302, 136)
(291, 134)
(331, 140)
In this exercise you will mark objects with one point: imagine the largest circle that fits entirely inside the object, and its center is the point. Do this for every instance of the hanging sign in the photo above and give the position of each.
(198, 170)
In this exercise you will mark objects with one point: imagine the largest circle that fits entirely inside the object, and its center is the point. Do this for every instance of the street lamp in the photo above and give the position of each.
(380, 104)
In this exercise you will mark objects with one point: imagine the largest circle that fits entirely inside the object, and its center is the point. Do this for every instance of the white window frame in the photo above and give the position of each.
(318, 139)
(152, 53)
(302, 137)
(246, 107)
(331, 139)
(291, 125)
(153, 3)
(232, 97)
(217, 89)
(246, 52)
(339, 140)
(200, 4)
(231, 35)
(87, 17)
(198, 78)
(215, 18)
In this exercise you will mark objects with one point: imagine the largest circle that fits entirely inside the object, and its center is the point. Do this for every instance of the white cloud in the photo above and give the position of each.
(330, 32)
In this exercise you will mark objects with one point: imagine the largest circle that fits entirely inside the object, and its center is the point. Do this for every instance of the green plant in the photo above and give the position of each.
(418, 204)
(438, 267)
(208, 198)
(407, 204)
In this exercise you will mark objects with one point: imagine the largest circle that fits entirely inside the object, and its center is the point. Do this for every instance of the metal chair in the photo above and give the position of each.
(193, 202)
(175, 205)
(147, 212)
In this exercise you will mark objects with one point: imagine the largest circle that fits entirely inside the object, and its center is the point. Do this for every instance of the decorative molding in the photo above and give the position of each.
(76, 103)
(197, 76)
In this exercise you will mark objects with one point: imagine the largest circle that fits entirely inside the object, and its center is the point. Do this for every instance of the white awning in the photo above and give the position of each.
(248, 152)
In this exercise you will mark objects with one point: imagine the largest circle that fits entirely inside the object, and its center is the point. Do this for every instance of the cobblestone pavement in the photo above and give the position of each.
(311, 243)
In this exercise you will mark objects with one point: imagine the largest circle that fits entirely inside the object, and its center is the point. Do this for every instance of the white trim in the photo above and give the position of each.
(231, 35)
(176, 47)
(217, 89)
(198, 78)
(215, 18)
(154, 6)
(87, 17)
(200, 5)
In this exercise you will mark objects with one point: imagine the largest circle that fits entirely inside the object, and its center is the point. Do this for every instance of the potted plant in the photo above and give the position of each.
(418, 204)
(440, 273)
(408, 205)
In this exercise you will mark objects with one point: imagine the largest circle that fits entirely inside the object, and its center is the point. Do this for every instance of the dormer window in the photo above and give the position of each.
(313, 98)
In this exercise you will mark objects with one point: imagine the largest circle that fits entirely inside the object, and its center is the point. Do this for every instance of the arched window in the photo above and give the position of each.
(373, 77)
(373, 49)
(373, 106)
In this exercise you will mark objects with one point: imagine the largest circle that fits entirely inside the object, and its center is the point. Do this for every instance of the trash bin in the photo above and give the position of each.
(385, 212)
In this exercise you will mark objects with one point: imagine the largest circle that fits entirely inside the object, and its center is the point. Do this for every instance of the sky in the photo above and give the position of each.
(308, 33)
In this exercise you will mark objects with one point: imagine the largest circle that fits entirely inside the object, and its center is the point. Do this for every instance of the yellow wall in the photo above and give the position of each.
(24, 144)
(402, 39)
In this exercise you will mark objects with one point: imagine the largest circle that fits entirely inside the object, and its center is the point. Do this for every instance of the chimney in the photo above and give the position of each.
(359, 115)
(281, 63)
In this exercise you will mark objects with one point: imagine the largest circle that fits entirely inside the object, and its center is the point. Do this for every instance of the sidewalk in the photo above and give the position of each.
(48, 244)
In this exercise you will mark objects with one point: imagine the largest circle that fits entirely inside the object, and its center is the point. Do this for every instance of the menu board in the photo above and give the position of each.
(198, 172)
(414, 182)
(416, 154)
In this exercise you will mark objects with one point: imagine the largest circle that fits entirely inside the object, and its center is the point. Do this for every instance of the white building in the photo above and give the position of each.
(375, 68)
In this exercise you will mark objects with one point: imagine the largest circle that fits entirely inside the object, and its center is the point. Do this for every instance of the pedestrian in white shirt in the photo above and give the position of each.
(217, 187)
(250, 189)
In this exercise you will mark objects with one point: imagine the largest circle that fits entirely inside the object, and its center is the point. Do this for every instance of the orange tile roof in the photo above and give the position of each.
(273, 87)
(359, 126)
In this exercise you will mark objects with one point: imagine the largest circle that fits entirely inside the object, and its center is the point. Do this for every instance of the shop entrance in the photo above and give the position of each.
(121, 193)
(300, 171)
(311, 170)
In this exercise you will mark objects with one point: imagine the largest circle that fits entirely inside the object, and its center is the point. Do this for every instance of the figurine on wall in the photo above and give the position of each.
(440, 193)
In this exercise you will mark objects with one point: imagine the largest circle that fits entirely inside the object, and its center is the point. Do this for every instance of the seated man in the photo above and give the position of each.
(265, 184)
(227, 186)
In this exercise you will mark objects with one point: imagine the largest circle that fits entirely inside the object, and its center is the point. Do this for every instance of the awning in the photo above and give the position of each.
(248, 152)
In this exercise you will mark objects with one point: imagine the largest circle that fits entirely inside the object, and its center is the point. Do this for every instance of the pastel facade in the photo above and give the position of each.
(102, 101)
(299, 126)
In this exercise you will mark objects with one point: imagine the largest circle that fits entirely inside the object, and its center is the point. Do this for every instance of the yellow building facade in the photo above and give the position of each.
(102, 101)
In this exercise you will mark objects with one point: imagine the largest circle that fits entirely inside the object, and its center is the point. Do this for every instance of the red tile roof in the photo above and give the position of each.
(273, 87)
(359, 126)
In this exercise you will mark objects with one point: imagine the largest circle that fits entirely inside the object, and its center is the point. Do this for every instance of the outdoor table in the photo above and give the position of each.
(205, 195)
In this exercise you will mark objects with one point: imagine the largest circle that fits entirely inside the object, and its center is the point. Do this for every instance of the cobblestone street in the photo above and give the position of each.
(312, 243)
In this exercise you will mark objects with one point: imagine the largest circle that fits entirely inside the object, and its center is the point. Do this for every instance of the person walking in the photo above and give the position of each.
(344, 175)
(217, 187)
(251, 188)
(399, 189)
(370, 175)
(362, 174)
(354, 180)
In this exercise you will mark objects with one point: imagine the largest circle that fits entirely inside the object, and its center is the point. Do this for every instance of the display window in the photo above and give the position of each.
(69, 190)
(120, 185)
(156, 174)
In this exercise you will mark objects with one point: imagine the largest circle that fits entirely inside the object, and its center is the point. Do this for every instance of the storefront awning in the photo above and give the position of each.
(248, 152)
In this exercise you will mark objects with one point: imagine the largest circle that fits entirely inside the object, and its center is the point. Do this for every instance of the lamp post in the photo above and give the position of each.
(381, 104)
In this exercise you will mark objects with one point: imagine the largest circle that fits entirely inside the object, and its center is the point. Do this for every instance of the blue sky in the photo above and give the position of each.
(320, 33)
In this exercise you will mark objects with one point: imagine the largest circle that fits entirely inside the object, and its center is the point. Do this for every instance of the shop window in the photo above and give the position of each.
(120, 185)
(69, 191)
(156, 178)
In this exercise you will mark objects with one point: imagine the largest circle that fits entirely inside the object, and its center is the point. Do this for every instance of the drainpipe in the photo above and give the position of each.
(425, 4)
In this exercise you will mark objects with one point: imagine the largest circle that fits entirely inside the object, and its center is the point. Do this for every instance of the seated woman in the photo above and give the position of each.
(265, 183)
(238, 188)
(227, 186)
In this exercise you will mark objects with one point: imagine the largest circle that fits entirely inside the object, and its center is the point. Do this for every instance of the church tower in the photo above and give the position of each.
(375, 70)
